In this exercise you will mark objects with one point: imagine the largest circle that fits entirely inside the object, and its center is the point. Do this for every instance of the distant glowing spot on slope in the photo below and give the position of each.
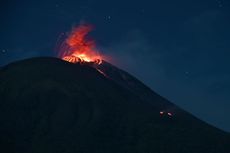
(166, 113)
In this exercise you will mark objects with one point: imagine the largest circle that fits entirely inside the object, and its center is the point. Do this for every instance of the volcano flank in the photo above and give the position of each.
(48, 105)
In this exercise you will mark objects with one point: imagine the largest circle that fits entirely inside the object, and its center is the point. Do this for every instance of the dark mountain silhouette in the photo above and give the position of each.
(51, 106)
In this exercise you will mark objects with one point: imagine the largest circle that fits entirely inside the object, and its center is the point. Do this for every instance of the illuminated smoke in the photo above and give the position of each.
(78, 48)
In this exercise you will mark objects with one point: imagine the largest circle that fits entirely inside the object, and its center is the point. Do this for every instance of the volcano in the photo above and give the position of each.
(48, 105)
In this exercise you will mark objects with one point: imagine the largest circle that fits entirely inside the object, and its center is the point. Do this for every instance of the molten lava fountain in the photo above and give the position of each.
(77, 48)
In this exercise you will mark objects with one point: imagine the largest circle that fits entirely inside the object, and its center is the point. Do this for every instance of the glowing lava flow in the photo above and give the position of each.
(77, 48)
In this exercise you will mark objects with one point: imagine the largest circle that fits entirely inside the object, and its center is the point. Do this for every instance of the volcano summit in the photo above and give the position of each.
(48, 105)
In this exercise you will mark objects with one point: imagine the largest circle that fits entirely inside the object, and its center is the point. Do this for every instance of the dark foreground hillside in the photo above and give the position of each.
(51, 106)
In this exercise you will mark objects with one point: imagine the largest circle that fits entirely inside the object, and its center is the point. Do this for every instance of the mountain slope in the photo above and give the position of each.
(49, 105)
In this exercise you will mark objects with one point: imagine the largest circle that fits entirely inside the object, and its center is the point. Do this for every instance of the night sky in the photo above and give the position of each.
(179, 48)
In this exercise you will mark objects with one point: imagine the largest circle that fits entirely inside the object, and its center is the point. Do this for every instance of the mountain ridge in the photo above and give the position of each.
(51, 101)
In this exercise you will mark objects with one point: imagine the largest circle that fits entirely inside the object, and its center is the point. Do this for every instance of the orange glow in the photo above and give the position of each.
(102, 73)
(77, 48)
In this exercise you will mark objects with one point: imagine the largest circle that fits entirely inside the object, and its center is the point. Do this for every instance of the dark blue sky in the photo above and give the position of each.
(180, 48)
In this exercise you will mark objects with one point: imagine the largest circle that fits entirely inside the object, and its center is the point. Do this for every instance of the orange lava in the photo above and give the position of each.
(78, 48)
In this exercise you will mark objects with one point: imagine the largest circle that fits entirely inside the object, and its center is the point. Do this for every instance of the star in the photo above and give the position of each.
(142, 10)
(109, 17)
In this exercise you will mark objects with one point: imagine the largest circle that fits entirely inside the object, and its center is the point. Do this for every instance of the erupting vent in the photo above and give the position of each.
(77, 48)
